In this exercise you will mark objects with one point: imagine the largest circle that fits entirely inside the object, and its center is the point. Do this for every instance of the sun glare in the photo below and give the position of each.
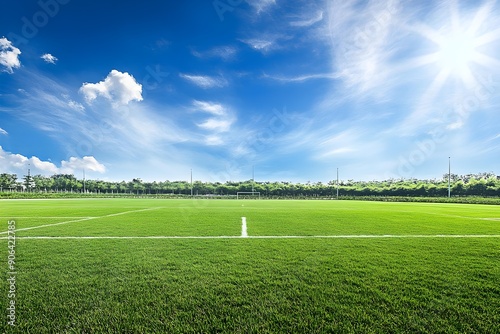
(459, 47)
(456, 52)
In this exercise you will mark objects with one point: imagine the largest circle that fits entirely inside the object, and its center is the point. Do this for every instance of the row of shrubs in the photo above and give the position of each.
(453, 199)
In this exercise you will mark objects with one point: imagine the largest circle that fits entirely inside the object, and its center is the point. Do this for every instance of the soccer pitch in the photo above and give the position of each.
(255, 266)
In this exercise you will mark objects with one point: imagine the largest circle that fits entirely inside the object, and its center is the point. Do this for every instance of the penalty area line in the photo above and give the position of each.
(81, 220)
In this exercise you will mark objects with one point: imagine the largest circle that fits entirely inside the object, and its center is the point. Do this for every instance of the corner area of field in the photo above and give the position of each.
(185, 266)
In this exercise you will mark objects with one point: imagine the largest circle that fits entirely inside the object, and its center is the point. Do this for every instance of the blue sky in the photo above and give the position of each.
(153, 89)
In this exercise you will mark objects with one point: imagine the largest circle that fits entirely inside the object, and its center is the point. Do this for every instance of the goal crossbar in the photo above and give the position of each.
(247, 193)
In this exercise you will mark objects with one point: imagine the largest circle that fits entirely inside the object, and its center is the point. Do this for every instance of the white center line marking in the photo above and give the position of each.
(244, 233)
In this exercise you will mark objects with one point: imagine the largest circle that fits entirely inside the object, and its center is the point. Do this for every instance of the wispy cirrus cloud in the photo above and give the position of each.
(9, 55)
(226, 53)
(301, 78)
(76, 105)
(120, 134)
(220, 121)
(363, 44)
(107, 127)
(3, 132)
(210, 107)
(216, 124)
(264, 43)
(307, 21)
(204, 81)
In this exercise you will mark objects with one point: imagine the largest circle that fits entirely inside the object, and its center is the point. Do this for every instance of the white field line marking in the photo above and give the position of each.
(388, 236)
(244, 233)
(46, 217)
(82, 219)
(455, 216)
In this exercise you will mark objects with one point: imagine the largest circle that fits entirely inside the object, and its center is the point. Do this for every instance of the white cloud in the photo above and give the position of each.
(3, 132)
(308, 22)
(49, 58)
(76, 106)
(209, 107)
(216, 124)
(220, 121)
(9, 160)
(119, 88)
(18, 164)
(9, 55)
(266, 42)
(205, 81)
(260, 44)
(214, 140)
(128, 133)
(44, 166)
(88, 163)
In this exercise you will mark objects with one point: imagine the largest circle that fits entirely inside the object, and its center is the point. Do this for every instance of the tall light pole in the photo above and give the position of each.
(84, 180)
(449, 177)
(253, 178)
(28, 183)
(337, 183)
(191, 182)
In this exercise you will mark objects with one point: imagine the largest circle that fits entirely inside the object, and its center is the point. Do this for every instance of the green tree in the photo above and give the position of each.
(7, 181)
(28, 182)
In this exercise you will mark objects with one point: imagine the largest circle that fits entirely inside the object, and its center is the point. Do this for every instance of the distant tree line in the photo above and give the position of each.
(483, 184)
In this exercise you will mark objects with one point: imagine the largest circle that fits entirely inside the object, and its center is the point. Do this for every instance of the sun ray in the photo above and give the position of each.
(487, 61)
(481, 15)
(468, 78)
(437, 83)
(417, 62)
(455, 17)
(488, 37)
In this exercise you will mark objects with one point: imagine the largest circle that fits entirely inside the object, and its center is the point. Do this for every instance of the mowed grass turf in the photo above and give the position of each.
(253, 285)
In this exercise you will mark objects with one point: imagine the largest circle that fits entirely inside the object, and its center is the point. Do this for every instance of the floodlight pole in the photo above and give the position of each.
(449, 177)
(191, 182)
(337, 183)
(29, 179)
(84, 180)
(253, 178)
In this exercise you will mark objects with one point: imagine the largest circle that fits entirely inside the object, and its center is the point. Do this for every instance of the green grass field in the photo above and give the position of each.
(182, 266)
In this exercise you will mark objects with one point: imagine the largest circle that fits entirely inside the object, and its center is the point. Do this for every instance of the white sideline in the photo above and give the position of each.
(45, 217)
(244, 233)
(361, 236)
(83, 219)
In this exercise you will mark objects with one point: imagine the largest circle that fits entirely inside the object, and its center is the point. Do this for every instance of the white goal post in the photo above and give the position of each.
(247, 193)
